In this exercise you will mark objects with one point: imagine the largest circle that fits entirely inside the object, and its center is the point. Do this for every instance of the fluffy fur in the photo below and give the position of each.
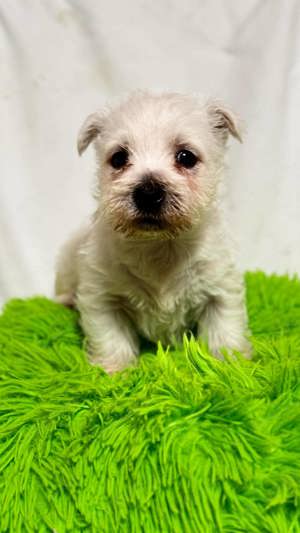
(129, 277)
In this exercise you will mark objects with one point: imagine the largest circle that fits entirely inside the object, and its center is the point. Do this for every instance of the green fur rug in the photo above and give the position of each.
(182, 443)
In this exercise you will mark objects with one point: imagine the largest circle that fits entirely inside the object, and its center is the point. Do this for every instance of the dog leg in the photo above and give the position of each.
(113, 344)
(66, 279)
(224, 325)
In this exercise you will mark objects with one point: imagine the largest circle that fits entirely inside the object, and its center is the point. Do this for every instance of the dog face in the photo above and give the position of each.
(160, 158)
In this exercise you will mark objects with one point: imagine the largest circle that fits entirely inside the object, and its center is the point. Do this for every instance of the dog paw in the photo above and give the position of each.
(243, 347)
(111, 365)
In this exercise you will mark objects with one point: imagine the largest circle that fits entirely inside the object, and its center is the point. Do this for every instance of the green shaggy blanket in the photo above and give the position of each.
(182, 443)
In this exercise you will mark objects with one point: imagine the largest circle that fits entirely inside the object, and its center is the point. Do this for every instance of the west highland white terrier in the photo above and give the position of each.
(154, 261)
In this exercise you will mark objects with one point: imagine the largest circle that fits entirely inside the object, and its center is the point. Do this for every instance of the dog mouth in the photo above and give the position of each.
(148, 222)
(152, 227)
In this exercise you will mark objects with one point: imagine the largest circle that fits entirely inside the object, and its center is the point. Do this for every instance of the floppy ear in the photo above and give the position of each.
(91, 127)
(224, 121)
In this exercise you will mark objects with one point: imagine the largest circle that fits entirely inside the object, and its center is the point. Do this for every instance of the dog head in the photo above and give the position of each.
(160, 159)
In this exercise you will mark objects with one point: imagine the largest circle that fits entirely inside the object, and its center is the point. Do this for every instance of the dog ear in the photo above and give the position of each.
(91, 127)
(224, 121)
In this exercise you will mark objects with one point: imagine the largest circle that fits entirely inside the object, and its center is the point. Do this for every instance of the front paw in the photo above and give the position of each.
(114, 361)
(218, 347)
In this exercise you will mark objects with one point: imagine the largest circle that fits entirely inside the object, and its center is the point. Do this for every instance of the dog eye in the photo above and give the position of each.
(186, 159)
(119, 159)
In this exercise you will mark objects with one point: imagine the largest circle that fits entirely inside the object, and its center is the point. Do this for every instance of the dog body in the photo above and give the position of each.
(155, 260)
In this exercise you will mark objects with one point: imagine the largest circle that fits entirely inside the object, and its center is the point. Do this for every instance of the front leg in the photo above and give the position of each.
(113, 343)
(223, 323)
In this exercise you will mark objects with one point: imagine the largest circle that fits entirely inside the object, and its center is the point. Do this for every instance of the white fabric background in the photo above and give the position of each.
(59, 60)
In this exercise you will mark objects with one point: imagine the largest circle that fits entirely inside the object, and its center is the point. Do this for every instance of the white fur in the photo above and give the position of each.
(128, 280)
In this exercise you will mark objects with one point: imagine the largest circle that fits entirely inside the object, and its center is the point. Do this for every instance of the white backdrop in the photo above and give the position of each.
(59, 60)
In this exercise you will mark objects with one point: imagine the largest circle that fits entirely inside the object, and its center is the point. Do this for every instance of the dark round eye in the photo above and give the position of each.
(119, 159)
(186, 158)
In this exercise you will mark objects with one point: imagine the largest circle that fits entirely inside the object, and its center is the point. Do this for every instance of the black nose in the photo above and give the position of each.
(149, 196)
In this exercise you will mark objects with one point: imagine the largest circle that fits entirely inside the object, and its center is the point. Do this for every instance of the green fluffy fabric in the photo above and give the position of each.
(181, 443)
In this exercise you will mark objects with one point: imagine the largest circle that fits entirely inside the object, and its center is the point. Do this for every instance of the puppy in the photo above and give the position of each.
(154, 260)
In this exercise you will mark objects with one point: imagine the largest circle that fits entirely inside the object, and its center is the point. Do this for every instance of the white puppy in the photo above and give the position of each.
(154, 260)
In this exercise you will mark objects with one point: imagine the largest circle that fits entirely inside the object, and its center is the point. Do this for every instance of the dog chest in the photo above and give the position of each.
(164, 313)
